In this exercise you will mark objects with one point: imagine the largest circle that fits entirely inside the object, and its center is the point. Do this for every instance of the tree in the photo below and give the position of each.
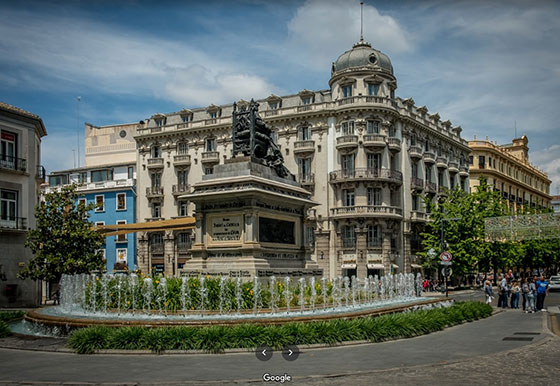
(465, 237)
(64, 241)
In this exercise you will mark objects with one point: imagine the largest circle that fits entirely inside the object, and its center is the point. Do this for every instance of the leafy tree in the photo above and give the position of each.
(465, 237)
(64, 241)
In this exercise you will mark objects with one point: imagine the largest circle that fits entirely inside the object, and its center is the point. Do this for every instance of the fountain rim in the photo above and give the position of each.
(78, 322)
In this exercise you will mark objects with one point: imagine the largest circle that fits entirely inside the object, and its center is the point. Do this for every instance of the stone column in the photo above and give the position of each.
(387, 251)
(199, 230)
(251, 228)
(143, 253)
(361, 252)
(169, 254)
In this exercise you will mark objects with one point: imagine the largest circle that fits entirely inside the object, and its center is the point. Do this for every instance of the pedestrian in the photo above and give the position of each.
(488, 292)
(524, 292)
(542, 291)
(425, 285)
(500, 292)
(531, 296)
(515, 290)
(504, 287)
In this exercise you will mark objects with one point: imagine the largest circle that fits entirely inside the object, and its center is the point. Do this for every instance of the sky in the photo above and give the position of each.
(492, 67)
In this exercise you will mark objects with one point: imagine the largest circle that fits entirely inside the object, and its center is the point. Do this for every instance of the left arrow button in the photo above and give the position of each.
(263, 353)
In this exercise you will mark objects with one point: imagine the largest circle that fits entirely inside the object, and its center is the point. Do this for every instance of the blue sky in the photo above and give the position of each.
(485, 65)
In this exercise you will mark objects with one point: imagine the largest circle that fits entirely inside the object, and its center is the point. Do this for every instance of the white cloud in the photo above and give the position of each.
(322, 30)
(548, 160)
(54, 50)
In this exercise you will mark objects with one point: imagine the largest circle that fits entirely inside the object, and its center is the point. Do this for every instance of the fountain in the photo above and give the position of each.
(133, 299)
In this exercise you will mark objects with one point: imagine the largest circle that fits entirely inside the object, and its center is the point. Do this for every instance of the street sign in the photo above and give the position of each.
(446, 256)
(445, 262)
(446, 271)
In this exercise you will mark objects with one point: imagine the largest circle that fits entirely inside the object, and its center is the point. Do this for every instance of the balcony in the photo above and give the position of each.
(429, 157)
(304, 108)
(211, 121)
(374, 140)
(463, 171)
(416, 183)
(416, 216)
(180, 189)
(15, 223)
(155, 163)
(394, 143)
(106, 184)
(362, 174)
(453, 167)
(443, 190)
(431, 187)
(347, 142)
(306, 180)
(41, 174)
(366, 210)
(154, 192)
(304, 147)
(441, 162)
(209, 157)
(13, 163)
(346, 101)
(415, 152)
(270, 113)
(182, 160)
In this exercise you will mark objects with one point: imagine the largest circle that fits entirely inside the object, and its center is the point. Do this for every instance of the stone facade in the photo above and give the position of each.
(21, 175)
(364, 154)
(507, 169)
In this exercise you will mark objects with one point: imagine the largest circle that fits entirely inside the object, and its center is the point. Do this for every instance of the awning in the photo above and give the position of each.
(375, 266)
(348, 266)
(416, 266)
(394, 266)
(175, 224)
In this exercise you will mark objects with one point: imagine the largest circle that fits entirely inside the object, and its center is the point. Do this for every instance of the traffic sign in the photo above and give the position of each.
(446, 256)
(445, 262)
(446, 271)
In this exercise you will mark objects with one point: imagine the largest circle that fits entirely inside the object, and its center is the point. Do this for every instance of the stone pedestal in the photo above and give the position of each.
(249, 222)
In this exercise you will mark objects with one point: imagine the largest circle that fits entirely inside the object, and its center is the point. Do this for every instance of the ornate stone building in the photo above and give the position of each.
(507, 169)
(365, 154)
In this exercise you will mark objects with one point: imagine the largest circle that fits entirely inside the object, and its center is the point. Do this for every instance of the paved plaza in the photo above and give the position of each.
(472, 353)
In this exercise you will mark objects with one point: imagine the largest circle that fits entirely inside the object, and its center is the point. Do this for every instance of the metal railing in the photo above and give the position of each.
(180, 188)
(13, 163)
(416, 183)
(306, 179)
(12, 222)
(393, 141)
(41, 173)
(431, 187)
(154, 191)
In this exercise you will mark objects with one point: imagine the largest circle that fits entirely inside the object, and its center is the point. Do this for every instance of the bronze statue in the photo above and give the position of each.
(252, 137)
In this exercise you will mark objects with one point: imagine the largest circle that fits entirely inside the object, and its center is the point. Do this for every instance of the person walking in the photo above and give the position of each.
(531, 296)
(524, 292)
(515, 290)
(488, 292)
(504, 286)
(542, 291)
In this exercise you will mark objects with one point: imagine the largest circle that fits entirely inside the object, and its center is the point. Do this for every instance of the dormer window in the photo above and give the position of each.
(185, 118)
(306, 97)
(306, 100)
(213, 114)
(347, 127)
(213, 111)
(372, 127)
(373, 89)
(273, 105)
(274, 102)
(347, 91)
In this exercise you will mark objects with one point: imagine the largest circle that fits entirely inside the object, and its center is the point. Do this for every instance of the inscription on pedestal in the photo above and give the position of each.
(226, 228)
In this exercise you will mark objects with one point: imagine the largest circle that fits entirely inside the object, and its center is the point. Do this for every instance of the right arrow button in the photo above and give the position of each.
(290, 352)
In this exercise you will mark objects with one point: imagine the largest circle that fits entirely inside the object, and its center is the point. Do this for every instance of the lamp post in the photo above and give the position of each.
(444, 245)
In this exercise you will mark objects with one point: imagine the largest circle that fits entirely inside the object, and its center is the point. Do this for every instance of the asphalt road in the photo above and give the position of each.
(470, 340)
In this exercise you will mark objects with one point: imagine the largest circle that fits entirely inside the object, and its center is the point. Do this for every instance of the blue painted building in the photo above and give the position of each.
(112, 189)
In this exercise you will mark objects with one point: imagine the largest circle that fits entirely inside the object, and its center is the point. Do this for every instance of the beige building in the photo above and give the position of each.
(21, 175)
(365, 154)
(507, 169)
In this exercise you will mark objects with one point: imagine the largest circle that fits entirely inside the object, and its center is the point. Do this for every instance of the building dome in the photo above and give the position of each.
(363, 55)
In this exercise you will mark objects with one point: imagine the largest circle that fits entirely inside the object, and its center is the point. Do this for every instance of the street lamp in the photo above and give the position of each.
(444, 245)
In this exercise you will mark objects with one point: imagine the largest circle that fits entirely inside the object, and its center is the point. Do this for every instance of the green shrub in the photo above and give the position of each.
(7, 316)
(219, 338)
(4, 329)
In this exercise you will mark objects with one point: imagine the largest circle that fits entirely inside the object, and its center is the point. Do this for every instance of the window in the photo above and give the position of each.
(348, 237)
(347, 91)
(183, 206)
(210, 144)
(156, 180)
(373, 236)
(8, 208)
(58, 180)
(130, 172)
(306, 100)
(121, 255)
(373, 89)
(183, 242)
(274, 136)
(182, 148)
(99, 223)
(156, 210)
(373, 196)
(481, 160)
(156, 243)
(392, 131)
(208, 171)
(374, 161)
(347, 127)
(82, 178)
(304, 167)
(310, 236)
(440, 179)
(428, 174)
(426, 146)
(102, 175)
(372, 127)
(273, 105)
(452, 183)
(471, 160)
(160, 122)
(156, 151)
(415, 169)
(121, 201)
(121, 238)
(413, 140)
(304, 133)
(213, 114)
(348, 197)
(8, 150)
(82, 201)
(182, 177)
(347, 161)
(100, 203)
(185, 118)
(102, 253)
(414, 202)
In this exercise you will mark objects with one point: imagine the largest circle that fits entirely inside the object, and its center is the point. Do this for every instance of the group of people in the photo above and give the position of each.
(532, 290)
(432, 285)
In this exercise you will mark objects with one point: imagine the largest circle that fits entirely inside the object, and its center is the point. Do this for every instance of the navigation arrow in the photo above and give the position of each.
(264, 352)
(291, 352)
